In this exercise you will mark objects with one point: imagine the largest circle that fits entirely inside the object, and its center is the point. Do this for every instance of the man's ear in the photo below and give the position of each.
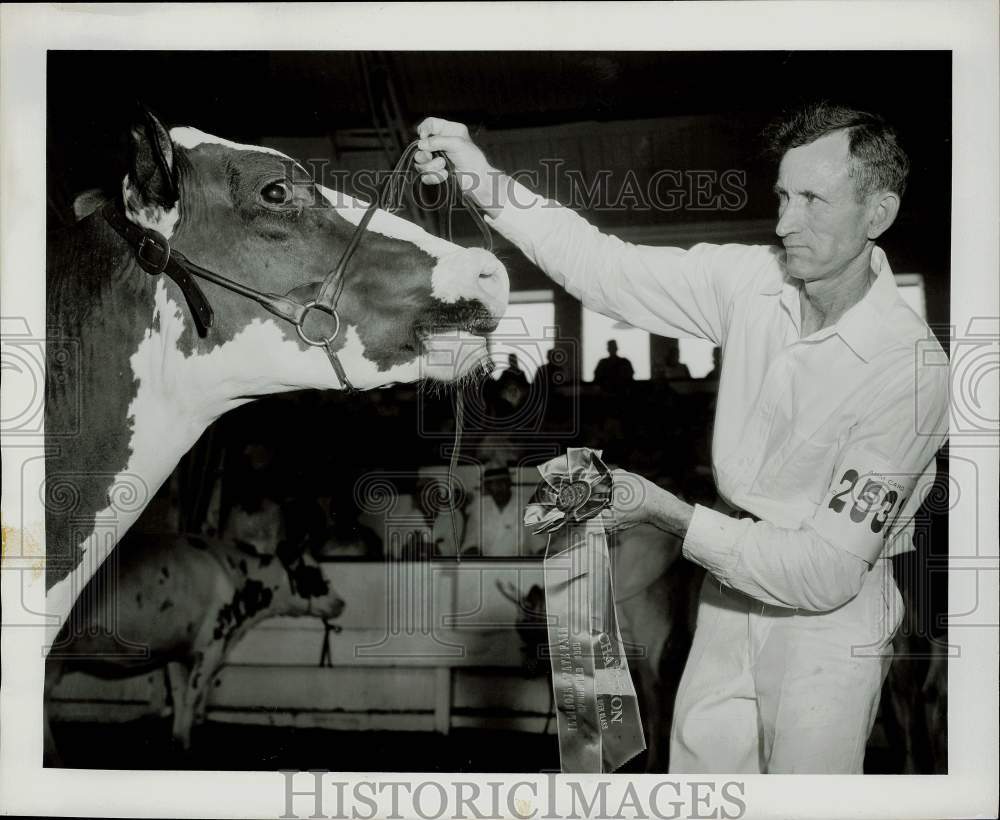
(152, 175)
(883, 209)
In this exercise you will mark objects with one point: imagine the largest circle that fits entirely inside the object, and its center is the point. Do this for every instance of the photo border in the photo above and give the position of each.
(968, 29)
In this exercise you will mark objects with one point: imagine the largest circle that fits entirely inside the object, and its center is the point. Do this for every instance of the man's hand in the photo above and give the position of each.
(638, 501)
(630, 498)
(473, 173)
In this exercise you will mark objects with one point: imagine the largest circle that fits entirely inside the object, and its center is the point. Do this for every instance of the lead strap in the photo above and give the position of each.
(338, 367)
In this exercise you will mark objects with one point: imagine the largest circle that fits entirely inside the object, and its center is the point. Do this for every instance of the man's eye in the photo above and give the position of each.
(276, 193)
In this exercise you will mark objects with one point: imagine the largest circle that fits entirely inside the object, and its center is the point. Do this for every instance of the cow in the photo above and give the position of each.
(181, 601)
(134, 372)
(655, 599)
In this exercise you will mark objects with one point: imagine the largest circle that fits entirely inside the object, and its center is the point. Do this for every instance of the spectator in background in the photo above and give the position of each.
(445, 522)
(614, 373)
(253, 514)
(512, 386)
(494, 519)
(669, 367)
(347, 537)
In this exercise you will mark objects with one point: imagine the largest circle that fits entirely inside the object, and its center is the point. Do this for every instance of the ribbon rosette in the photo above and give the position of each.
(576, 486)
(598, 718)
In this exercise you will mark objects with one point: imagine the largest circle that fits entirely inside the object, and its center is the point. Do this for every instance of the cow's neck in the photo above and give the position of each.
(143, 389)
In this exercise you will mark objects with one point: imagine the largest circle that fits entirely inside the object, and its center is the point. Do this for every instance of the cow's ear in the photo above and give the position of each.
(152, 174)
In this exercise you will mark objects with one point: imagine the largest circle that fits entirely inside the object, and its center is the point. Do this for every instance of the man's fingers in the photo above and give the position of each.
(438, 142)
(433, 163)
(435, 126)
(435, 178)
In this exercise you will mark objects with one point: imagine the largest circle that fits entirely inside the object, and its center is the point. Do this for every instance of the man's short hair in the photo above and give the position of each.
(878, 163)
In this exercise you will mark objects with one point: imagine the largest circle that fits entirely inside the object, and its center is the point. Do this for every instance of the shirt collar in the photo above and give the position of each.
(775, 279)
(861, 326)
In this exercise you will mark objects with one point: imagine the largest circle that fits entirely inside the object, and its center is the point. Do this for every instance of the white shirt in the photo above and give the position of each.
(823, 438)
(496, 532)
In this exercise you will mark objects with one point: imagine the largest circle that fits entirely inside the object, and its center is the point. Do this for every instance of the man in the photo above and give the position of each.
(613, 373)
(670, 367)
(816, 445)
(513, 386)
(494, 526)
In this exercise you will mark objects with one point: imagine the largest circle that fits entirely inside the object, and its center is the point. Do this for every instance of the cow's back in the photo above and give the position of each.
(151, 602)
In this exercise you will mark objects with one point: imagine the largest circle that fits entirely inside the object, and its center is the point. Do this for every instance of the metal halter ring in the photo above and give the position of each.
(305, 312)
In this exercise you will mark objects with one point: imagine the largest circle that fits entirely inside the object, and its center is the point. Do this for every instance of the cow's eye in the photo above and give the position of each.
(276, 193)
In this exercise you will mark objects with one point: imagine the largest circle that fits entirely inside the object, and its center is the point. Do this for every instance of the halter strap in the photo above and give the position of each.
(152, 252)
(155, 256)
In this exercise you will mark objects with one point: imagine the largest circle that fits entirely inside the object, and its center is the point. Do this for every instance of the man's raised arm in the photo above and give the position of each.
(666, 291)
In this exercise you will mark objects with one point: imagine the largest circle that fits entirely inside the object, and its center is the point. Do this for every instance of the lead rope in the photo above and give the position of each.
(326, 652)
(459, 395)
(452, 465)
(389, 198)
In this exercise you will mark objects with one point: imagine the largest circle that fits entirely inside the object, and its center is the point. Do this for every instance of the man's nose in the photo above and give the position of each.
(787, 221)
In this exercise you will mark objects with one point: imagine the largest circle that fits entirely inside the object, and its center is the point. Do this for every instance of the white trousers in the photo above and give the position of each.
(772, 690)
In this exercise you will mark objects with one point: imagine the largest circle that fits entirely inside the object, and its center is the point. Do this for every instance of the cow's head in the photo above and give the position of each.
(413, 306)
(310, 593)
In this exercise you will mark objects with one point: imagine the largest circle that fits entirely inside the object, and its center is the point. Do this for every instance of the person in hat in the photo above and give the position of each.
(494, 526)
(613, 373)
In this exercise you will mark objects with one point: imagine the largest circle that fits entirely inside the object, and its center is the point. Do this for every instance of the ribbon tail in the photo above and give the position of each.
(597, 710)
(567, 606)
(618, 706)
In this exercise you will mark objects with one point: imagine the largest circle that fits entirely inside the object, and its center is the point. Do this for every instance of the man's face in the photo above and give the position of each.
(499, 489)
(820, 221)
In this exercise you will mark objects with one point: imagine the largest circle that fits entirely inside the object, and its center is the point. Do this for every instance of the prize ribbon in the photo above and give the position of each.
(598, 719)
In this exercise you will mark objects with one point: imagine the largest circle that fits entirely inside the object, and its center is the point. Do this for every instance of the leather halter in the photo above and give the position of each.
(155, 256)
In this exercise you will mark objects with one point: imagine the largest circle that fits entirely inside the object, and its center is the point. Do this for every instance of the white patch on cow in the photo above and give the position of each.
(388, 224)
(472, 274)
(460, 273)
(152, 217)
(187, 137)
